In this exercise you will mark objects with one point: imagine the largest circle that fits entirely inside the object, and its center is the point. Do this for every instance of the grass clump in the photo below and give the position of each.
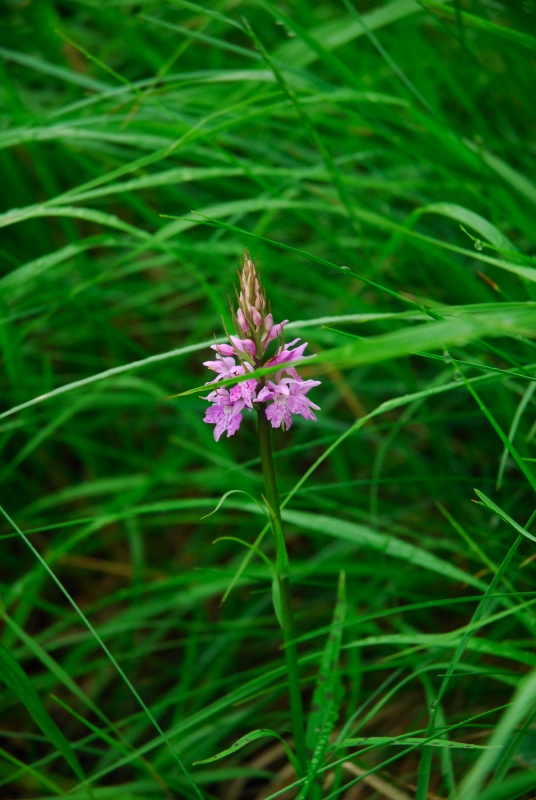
(377, 157)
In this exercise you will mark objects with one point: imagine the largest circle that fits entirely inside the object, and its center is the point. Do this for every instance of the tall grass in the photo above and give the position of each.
(378, 158)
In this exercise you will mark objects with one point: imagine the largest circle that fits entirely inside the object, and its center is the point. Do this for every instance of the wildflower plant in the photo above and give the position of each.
(282, 395)
(276, 398)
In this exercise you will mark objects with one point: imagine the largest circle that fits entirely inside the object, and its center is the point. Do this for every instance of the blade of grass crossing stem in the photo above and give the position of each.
(406, 341)
(395, 403)
(523, 705)
(98, 639)
(326, 697)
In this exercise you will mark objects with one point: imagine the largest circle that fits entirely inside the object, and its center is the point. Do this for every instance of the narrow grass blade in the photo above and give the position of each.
(523, 705)
(113, 661)
(473, 220)
(504, 516)
(525, 400)
(327, 694)
(479, 23)
(261, 733)
(19, 683)
(523, 466)
(380, 542)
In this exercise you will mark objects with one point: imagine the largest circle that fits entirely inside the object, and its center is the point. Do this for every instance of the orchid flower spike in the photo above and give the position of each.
(283, 394)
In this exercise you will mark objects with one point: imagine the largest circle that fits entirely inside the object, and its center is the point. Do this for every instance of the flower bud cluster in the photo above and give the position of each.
(283, 392)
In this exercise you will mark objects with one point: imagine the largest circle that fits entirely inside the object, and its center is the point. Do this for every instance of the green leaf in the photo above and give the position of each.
(473, 220)
(385, 543)
(405, 740)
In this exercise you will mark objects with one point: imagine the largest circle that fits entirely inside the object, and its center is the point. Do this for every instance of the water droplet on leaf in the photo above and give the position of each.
(478, 244)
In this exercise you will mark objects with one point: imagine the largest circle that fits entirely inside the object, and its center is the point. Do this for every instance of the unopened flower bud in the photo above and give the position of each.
(256, 317)
(223, 349)
(250, 317)
(244, 345)
(242, 321)
(274, 332)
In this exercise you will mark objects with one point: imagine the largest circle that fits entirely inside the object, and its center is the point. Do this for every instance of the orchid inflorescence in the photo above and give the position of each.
(283, 392)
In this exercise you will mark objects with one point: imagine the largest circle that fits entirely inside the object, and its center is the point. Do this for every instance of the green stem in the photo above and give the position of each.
(287, 622)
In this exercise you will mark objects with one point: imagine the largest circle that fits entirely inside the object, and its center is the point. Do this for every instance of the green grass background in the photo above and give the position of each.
(378, 159)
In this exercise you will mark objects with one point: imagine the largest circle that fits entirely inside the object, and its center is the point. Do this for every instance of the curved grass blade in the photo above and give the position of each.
(261, 733)
(473, 220)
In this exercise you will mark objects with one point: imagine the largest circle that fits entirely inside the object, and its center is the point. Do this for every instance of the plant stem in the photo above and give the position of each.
(283, 580)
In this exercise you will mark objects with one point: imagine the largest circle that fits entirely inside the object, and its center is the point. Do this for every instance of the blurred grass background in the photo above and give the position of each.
(378, 159)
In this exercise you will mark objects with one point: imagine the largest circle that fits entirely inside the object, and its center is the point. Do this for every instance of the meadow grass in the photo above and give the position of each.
(378, 159)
